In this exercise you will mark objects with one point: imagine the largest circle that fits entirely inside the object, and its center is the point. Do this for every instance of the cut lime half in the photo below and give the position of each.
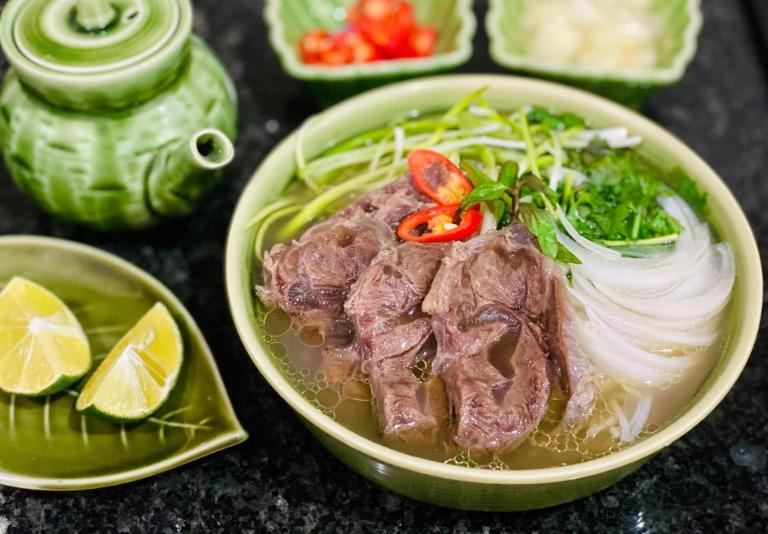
(43, 348)
(138, 374)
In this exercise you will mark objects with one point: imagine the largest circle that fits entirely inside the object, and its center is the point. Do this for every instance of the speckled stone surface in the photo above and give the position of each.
(714, 479)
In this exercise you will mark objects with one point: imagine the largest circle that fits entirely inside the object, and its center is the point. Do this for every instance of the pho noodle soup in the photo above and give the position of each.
(493, 288)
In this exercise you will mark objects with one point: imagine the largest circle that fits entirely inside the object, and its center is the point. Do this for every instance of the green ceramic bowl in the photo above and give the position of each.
(288, 20)
(682, 21)
(457, 486)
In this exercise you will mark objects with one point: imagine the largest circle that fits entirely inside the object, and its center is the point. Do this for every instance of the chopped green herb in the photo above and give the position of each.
(554, 121)
(689, 191)
(619, 200)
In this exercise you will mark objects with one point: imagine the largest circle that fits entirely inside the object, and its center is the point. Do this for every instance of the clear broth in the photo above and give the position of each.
(549, 445)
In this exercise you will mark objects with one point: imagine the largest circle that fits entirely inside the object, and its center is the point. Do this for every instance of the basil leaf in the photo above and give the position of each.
(484, 192)
(542, 225)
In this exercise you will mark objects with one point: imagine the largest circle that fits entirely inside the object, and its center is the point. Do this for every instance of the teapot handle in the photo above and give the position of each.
(211, 149)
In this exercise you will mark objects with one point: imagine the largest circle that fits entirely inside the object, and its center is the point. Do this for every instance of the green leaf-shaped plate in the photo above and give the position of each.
(45, 443)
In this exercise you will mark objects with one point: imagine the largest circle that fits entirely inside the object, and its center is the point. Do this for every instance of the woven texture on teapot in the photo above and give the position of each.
(94, 36)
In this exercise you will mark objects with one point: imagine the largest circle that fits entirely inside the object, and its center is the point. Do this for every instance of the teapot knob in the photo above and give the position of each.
(94, 15)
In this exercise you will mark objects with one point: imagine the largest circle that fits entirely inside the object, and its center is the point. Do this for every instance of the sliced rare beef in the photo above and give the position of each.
(389, 204)
(393, 334)
(570, 370)
(495, 304)
(310, 278)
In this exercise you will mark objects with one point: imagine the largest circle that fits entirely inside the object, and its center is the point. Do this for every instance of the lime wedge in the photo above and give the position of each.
(138, 374)
(43, 348)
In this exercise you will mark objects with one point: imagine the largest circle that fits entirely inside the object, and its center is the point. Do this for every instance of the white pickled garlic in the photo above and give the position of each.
(607, 34)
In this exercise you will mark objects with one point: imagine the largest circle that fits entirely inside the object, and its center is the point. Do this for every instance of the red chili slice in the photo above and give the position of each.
(387, 23)
(314, 45)
(378, 30)
(338, 55)
(423, 40)
(437, 177)
(435, 225)
(358, 47)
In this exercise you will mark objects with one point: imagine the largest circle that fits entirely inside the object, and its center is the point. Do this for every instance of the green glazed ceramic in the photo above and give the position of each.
(112, 114)
(458, 486)
(682, 21)
(289, 20)
(46, 444)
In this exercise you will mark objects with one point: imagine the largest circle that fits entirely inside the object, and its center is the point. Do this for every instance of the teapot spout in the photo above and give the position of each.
(181, 179)
(211, 149)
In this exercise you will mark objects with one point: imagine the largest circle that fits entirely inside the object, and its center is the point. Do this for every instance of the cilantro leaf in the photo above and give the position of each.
(689, 191)
(554, 121)
(618, 203)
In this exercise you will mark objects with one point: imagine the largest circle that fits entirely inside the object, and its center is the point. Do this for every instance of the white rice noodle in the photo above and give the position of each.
(628, 142)
(590, 297)
(658, 271)
(643, 322)
(651, 335)
(480, 140)
(640, 418)
(626, 422)
(609, 134)
(480, 130)
(617, 137)
(680, 304)
(606, 423)
(477, 111)
(624, 434)
(623, 369)
(630, 351)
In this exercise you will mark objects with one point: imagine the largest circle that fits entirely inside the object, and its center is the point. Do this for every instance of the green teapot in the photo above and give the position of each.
(113, 114)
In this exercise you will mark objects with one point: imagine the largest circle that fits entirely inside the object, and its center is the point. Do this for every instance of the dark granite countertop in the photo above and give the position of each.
(281, 479)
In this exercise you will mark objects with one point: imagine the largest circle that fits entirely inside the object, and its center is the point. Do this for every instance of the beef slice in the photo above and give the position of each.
(392, 332)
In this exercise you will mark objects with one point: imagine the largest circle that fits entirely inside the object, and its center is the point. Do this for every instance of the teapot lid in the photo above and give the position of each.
(87, 54)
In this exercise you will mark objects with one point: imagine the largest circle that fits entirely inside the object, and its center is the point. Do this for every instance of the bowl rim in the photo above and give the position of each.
(237, 434)
(238, 291)
(655, 76)
(391, 67)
